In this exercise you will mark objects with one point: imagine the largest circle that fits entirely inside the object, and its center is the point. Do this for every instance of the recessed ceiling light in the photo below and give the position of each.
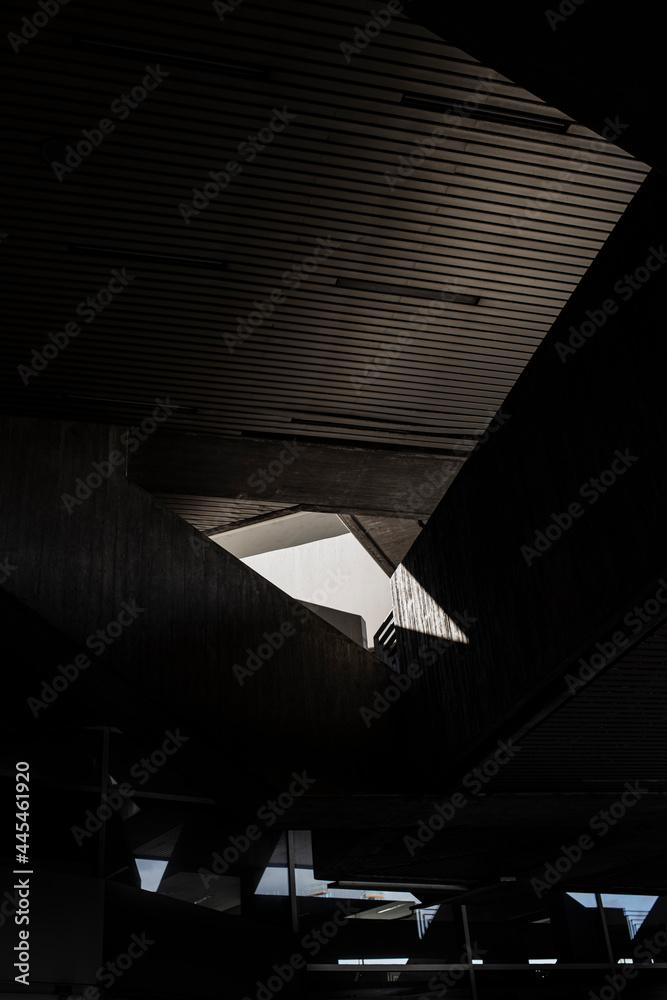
(407, 291)
(487, 113)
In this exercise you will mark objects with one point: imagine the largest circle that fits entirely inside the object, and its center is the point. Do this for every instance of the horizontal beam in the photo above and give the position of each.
(444, 967)
(391, 482)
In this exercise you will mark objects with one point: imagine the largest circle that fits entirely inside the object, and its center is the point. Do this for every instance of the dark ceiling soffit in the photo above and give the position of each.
(271, 515)
(368, 542)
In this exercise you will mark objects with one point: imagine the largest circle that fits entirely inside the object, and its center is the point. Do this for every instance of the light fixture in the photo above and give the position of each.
(487, 113)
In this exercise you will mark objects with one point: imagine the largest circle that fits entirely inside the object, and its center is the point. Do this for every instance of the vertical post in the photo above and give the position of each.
(291, 875)
(605, 928)
(466, 931)
(104, 782)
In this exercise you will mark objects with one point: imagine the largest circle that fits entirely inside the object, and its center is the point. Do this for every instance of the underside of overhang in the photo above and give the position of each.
(429, 203)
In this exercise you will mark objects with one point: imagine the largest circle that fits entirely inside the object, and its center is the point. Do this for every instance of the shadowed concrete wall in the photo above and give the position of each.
(191, 615)
(587, 427)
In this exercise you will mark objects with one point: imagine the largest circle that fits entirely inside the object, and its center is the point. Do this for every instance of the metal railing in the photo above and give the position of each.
(385, 644)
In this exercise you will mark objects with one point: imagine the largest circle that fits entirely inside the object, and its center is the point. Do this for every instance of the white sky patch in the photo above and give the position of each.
(151, 873)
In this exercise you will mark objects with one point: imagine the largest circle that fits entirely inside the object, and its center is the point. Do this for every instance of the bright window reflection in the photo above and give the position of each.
(274, 882)
(424, 918)
(372, 961)
(635, 908)
(585, 898)
(151, 873)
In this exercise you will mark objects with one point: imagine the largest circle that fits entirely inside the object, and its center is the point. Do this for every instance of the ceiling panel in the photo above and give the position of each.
(483, 214)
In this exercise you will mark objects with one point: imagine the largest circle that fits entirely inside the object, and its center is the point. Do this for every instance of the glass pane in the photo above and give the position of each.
(513, 931)
(636, 926)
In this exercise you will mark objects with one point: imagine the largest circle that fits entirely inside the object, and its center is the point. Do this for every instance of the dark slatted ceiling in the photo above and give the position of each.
(452, 221)
(206, 513)
(611, 731)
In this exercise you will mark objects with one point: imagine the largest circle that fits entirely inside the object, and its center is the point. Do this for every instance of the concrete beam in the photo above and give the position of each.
(389, 482)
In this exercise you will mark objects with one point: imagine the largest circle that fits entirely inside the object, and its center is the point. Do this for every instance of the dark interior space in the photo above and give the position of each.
(333, 562)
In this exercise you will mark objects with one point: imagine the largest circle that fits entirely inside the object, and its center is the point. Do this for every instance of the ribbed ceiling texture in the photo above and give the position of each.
(503, 214)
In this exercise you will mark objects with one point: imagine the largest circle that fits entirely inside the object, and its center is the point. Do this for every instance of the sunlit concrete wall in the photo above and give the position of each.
(334, 572)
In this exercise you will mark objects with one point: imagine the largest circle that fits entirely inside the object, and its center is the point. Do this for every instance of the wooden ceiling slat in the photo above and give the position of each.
(454, 219)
